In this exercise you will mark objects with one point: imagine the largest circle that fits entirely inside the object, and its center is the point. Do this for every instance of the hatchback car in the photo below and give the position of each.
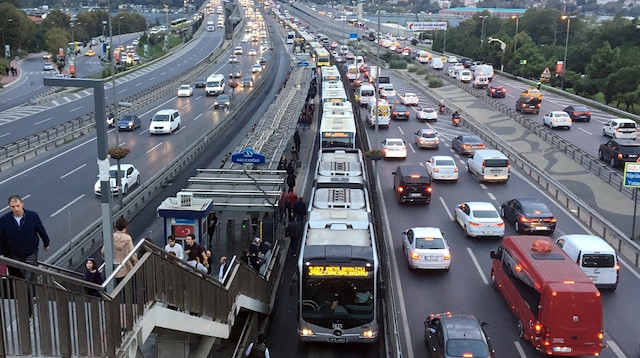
(448, 336)
(48, 66)
(619, 151)
(528, 215)
(129, 122)
(426, 248)
(427, 138)
(578, 113)
(620, 128)
(256, 68)
(400, 111)
(394, 148)
(496, 92)
(129, 176)
(247, 81)
(452, 59)
(252, 52)
(442, 167)
(466, 144)
(185, 91)
(479, 219)
(451, 72)
(557, 119)
(222, 101)
(426, 114)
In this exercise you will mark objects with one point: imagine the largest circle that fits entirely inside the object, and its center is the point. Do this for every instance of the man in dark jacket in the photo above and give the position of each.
(299, 209)
(20, 234)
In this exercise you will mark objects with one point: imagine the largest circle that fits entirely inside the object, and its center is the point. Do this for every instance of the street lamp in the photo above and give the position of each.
(4, 44)
(482, 29)
(119, 33)
(566, 46)
(503, 47)
(515, 40)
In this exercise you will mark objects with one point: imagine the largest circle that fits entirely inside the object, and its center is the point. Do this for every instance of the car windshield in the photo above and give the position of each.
(400, 108)
(445, 163)
(471, 140)
(429, 243)
(395, 143)
(428, 110)
(467, 348)
(562, 114)
(485, 214)
(580, 109)
(185, 87)
(223, 98)
(535, 208)
(161, 118)
(627, 125)
(126, 117)
(428, 135)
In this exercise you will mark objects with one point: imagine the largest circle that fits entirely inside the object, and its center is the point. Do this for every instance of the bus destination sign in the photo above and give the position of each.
(335, 134)
(348, 271)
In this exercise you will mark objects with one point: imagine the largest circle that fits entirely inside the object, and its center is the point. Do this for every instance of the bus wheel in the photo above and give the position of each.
(520, 330)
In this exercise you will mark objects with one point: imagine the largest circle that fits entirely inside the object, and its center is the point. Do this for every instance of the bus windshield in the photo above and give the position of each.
(349, 299)
(337, 140)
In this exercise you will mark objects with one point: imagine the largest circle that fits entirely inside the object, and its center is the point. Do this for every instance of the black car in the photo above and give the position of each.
(201, 83)
(222, 101)
(619, 151)
(400, 111)
(447, 336)
(466, 144)
(466, 62)
(392, 100)
(496, 92)
(528, 105)
(578, 113)
(528, 215)
(412, 183)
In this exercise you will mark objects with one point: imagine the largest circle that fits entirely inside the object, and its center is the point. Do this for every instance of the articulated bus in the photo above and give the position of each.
(178, 22)
(338, 264)
(322, 57)
(337, 126)
(557, 306)
(330, 74)
(290, 37)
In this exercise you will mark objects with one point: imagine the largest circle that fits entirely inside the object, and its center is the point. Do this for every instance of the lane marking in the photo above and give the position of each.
(73, 171)
(446, 208)
(75, 109)
(412, 149)
(121, 91)
(42, 121)
(185, 106)
(477, 265)
(491, 196)
(152, 78)
(198, 116)
(139, 84)
(154, 147)
(68, 205)
(589, 133)
(616, 350)
(519, 349)
(3, 135)
(400, 129)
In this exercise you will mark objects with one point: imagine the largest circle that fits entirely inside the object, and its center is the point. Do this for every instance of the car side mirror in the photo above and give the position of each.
(494, 255)
(484, 324)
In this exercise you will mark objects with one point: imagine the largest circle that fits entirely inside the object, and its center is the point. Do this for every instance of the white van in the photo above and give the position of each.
(383, 113)
(366, 94)
(358, 61)
(352, 72)
(214, 85)
(594, 256)
(165, 122)
(481, 82)
(436, 63)
(489, 165)
(484, 70)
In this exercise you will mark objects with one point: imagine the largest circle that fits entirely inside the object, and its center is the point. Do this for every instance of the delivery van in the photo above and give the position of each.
(594, 256)
(381, 113)
(489, 165)
(436, 63)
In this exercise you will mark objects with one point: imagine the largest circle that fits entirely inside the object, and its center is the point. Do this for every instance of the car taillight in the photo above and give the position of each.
(537, 327)
(455, 170)
(471, 223)
(415, 256)
(428, 190)
(447, 256)
(435, 170)
(395, 113)
(600, 335)
(499, 224)
(466, 146)
(587, 113)
(525, 220)
(406, 113)
(619, 155)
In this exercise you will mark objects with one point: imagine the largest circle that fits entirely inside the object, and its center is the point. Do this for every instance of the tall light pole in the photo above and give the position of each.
(515, 39)
(4, 44)
(566, 46)
(482, 29)
(115, 101)
(375, 137)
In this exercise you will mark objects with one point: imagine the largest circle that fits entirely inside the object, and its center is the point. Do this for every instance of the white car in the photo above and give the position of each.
(233, 59)
(555, 119)
(451, 72)
(464, 76)
(458, 66)
(237, 51)
(622, 128)
(129, 176)
(185, 91)
(425, 248)
(426, 114)
(452, 59)
(256, 68)
(386, 90)
(48, 66)
(409, 99)
(394, 148)
(442, 167)
(252, 52)
(479, 219)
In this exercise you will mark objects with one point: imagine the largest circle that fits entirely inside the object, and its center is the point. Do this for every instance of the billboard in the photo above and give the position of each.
(427, 26)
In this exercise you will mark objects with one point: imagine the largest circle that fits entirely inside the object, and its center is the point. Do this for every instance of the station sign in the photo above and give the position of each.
(247, 155)
(427, 26)
(631, 177)
(353, 36)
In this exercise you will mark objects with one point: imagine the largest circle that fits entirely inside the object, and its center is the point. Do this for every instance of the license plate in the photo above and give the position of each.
(337, 340)
(414, 195)
(541, 228)
(495, 170)
(431, 258)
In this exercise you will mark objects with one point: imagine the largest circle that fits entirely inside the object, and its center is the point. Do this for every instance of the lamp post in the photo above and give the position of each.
(503, 47)
(375, 137)
(115, 106)
(566, 46)
(4, 44)
(482, 29)
(515, 39)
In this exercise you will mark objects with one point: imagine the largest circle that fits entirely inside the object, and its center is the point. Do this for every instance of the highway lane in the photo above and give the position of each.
(72, 168)
(27, 120)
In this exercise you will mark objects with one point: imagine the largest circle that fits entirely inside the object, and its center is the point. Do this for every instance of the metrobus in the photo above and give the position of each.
(330, 74)
(557, 306)
(291, 35)
(322, 57)
(337, 126)
(178, 22)
(334, 95)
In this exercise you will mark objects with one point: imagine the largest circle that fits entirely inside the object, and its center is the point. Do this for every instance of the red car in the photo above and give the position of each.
(496, 92)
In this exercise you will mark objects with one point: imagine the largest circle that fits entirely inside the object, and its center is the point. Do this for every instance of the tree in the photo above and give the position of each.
(56, 38)
(18, 32)
(623, 80)
(56, 19)
(601, 63)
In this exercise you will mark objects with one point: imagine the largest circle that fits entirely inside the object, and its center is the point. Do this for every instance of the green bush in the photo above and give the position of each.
(435, 82)
(398, 65)
(427, 77)
(422, 71)
(412, 68)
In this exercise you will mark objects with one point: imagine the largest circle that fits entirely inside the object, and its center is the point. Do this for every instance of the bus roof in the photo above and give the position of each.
(339, 198)
(338, 123)
(545, 266)
(338, 227)
(340, 163)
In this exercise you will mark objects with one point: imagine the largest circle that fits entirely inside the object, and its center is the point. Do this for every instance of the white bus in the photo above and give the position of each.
(290, 37)
(337, 126)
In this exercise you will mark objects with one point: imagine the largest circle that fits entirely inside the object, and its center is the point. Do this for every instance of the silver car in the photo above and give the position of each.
(427, 138)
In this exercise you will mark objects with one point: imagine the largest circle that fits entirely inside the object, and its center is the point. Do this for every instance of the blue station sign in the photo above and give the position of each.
(247, 155)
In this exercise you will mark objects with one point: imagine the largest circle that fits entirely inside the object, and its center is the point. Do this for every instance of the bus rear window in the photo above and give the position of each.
(598, 260)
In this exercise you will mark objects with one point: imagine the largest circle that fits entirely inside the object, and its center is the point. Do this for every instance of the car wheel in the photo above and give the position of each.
(138, 180)
(613, 162)
(125, 189)
(600, 155)
(604, 133)
(466, 232)
(520, 330)
(516, 226)
(502, 212)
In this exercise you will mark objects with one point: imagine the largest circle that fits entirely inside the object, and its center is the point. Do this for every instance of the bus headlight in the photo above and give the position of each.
(306, 332)
(368, 334)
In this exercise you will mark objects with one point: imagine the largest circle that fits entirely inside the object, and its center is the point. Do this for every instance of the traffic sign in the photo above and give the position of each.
(546, 71)
(353, 36)
(631, 178)
(247, 155)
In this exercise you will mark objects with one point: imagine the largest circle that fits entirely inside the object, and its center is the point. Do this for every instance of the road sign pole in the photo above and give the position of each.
(635, 209)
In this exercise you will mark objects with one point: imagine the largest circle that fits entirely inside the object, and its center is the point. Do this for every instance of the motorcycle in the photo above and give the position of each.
(455, 120)
(442, 108)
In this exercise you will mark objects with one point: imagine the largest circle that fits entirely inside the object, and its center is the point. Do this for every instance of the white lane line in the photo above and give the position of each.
(484, 187)
(400, 129)
(7, 207)
(616, 350)
(3, 135)
(152, 78)
(197, 98)
(589, 133)
(121, 91)
(412, 149)
(139, 84)
(198, 116)
(46, 161)
(75, 109)
(68, 205)
(162, 74)
(42, 121)
(73, 171)
(519, 349)
(185, 106)
(475, 262)
(55, 103)
(154, 147)
(446, 209)
(491, 196)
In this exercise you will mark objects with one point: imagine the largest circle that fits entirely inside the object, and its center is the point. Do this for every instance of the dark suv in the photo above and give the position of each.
(448, 336)
(412, 183)
(619, 151)
(528, 105)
